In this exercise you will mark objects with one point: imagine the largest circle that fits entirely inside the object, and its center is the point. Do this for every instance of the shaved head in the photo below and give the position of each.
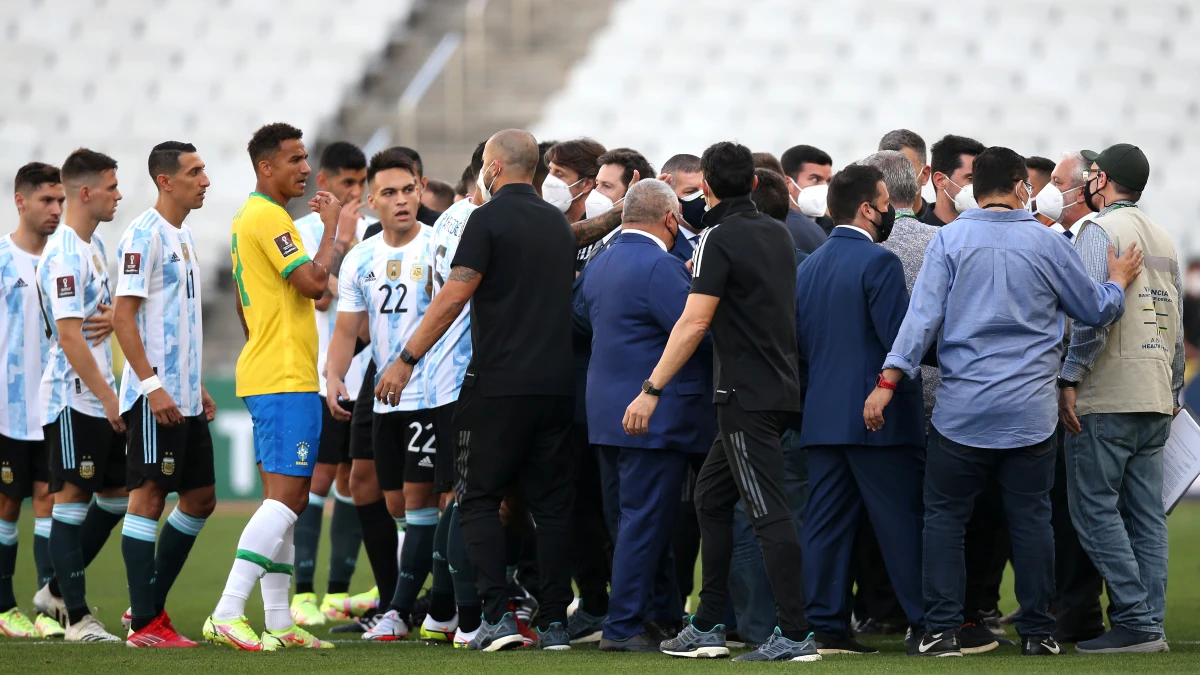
(516, 150)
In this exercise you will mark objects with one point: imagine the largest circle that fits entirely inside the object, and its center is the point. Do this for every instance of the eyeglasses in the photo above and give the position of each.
(1028, 187)
(1092, 173)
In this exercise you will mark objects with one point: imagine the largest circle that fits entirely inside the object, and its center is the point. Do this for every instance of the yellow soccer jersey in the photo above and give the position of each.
(281, 355)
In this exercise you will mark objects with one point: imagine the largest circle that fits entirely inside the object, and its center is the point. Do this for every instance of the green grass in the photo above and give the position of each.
(199, 586)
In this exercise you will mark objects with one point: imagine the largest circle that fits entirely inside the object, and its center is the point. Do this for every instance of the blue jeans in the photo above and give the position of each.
(955, 475)
(1114, 487)
(749, 591)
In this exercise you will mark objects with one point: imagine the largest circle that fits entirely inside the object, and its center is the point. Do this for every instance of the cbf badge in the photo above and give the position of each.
(6, 473)
(168, 465)
(302, 454)
(393, 269)
(87, 469)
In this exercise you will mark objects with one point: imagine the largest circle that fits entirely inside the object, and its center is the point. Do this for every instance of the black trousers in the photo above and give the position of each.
(522, 441)
(985, 549)
(746, 462)
(590, 541)
(1075, 577)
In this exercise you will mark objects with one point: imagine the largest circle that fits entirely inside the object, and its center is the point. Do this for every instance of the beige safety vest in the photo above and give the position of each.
(1133, 373)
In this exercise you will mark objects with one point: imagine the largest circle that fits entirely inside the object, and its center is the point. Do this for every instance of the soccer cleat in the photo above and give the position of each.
(361, 624)
(694, 643)
(827, 645)
(493, 637)
(363, 604)
(779, 648)
(235, 633)
(462, 640)
(304, 610)
(333, 606)
(945, 643)
(158, 633)
(554, 638)
(976, 639)
(46, 603)
(88, 629)
(47, 627)
(584, 627)
(127, 619)
(14, 624)
(292, 637)
(530, 636)
(525, 604)
(1121, 639)
(390, 628)
(439, 631)
(1043, 646)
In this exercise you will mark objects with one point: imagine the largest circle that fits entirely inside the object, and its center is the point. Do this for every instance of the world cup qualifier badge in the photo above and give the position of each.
(168, 465)
(6, 473)
(87, 468)
(302, 454)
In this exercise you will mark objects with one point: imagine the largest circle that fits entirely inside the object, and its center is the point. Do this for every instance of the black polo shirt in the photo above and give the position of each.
(748, 260)
(930, 218)
(521, 318)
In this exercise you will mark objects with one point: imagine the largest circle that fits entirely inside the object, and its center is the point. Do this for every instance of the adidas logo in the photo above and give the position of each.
(20, 283)
(370, 276)
(425, 463)
(174, 257)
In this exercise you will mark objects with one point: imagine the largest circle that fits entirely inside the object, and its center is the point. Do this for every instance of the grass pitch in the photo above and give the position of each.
(199, 586)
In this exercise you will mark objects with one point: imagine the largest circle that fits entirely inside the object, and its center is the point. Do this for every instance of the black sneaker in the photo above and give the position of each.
(976, 639)
(992, 620)
(827, 645)
(945, 643)
(1122, 639)
(1043, 646)
(360, 624)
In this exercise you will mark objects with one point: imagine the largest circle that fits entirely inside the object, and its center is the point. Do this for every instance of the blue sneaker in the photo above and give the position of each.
(779, 648)
(583, 627)
(694, 643)
(1122, 639)
(554, 638)
(503, 634)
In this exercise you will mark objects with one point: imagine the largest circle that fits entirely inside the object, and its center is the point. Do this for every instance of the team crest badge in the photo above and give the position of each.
(393, 269)
(302, 454)
(417, 273)
(168, 465)
(87, 469)
(98, 263)
(6, 473)
(183, 248)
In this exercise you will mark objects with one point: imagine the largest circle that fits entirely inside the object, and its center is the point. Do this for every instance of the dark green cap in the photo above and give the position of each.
(1124, 163)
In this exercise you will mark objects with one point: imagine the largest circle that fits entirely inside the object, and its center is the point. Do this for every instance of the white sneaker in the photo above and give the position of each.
(463, 640)
(438, 631)
(88, 629)
(389, 628)
(45, 603)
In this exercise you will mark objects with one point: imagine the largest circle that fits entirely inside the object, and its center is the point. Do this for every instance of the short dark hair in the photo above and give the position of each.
(164, 158)
(728, 169)
(771, 194)
(341, 156)
(441, 190)
(543, 167)
(630, 160)
(948, 152)
(682, 163)
(580, 155)
(84, 164)
(795, 157)
(765, 160)
(997, 171)
(1042, 164)
(466, 183)
(392, 158)
(849, 188)
(899, 139)
(34, 175)
(266, 141)
(1126, 192)
(418, 165)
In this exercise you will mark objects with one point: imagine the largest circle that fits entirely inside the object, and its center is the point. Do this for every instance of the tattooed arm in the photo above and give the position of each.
(593, 229)
(444, 309)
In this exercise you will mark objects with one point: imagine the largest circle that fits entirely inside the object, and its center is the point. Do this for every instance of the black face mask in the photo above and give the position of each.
(887, 219)
(693, 212)
(1089, 195)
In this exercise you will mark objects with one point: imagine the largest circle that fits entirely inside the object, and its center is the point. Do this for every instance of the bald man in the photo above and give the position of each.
(515, 264)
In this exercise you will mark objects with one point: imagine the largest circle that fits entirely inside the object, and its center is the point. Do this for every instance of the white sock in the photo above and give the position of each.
(257, 547)
(277, 582)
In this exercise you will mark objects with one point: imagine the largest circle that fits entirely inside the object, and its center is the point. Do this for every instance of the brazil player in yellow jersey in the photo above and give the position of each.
(277, 282)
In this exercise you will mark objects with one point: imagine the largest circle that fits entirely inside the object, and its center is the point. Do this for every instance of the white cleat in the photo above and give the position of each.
(390, 628)
(88, 629)
(462, 640)
(45, 603)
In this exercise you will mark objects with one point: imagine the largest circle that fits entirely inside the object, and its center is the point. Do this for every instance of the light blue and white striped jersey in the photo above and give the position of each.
(389, 285)
(157, 262)
(311, 230)
(73, 279)
(23, 342)
(445, 365)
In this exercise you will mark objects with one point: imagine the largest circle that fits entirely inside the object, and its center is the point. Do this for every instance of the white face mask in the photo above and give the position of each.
(485, 190)
(1026, 203)
(1050, 202)
(813, 200)
(556, 191)
(597, 204)
(965, 199)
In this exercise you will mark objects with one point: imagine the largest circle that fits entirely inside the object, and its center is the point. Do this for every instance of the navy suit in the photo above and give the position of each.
(631, 297)
(683, 248)
(850, 302)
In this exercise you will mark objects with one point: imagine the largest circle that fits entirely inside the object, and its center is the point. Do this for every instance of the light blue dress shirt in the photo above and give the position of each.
(992, 292)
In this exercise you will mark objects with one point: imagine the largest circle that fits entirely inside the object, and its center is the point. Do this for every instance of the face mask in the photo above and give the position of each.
(693, 207)
(556, 191)
(813, 200)
(485, 190)
(1090, 197)
(887, 219)
(1025, 203)
(597, 204)
(965, 199)
(674, 235)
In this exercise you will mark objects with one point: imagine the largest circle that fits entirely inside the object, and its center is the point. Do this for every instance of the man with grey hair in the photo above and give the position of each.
(1060, 204)
(913, 147)
(631, 297)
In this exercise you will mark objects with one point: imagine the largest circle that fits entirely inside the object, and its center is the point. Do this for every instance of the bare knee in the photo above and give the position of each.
(200, 502)
(395, 503)
(419, 496)
(322, 479)
(363, 483)
(10, 508)
(147, 500)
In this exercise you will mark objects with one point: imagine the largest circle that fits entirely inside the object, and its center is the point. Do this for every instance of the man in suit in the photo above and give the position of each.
(632, 296)
(682, 173)
(850, 302)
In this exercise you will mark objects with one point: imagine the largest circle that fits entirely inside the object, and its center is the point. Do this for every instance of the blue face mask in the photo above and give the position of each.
(692, 207)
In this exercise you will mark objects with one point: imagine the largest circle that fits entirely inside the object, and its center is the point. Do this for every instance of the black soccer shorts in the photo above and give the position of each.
(405, 448)
(179, 458)
(85, 452)
(334, 447)
(22, 463)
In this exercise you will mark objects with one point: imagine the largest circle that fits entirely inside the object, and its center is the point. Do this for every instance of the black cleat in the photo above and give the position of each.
(945, 643)
(1043, 646)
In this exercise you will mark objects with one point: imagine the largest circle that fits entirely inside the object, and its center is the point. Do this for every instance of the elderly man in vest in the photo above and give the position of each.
(1118, 391)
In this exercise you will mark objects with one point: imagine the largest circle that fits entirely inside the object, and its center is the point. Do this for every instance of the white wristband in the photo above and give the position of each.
(151, 384)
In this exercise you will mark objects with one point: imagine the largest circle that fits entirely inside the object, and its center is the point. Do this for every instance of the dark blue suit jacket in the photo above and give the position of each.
(850, 302)
(683, 248)
(631, 298)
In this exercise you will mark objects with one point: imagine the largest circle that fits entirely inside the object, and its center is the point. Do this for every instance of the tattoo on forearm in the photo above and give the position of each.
(339, 254)
(591, 230)
(464, 274)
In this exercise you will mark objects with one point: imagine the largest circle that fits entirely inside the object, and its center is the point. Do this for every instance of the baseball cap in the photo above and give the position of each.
(1124, 163)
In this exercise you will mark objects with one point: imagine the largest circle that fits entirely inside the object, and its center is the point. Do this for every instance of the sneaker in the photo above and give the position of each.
(235, 633)
(827, 645)
(47, 627)
(462, 640)
(870, 626)
(554, 638)
(945, 643)
(529, 635)
(584, 627)
(14, 624)
(993, 621)
(493, 637)
(292, 637)
(526, 605)
(1043, 646)
(976, 639)
(158, 633)
(779, 648)
(389, 628)
(694, 643)
(1121, 639)
(333, 606)
(439, 631)
(638, 644)
(361, 624)
(305, 611)
(363, 604)
(88, 629)
(46, 603)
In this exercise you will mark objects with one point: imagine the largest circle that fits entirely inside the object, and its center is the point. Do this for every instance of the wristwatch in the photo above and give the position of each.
(649, 388)
(884, 384)
(407, 357)
(1066, 384)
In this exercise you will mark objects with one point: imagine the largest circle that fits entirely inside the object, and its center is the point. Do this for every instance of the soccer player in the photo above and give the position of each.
(23, 465)
(276, 376)
(384, 283)
(164, 403)
(343, 172)
(84, 432)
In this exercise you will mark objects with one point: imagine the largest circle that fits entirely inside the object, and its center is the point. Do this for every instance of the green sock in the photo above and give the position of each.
(137, 547)
(174, 543)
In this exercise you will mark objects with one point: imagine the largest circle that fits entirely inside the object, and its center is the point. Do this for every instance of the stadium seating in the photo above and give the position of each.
(668, 76)
(121, 75)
